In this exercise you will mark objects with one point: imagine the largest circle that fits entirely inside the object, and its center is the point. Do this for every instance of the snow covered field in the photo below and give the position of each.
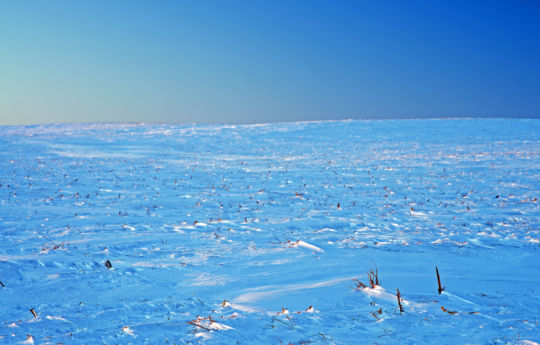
(254, 234)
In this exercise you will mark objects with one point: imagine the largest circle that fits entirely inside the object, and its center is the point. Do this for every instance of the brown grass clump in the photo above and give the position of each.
(373, 278)
(398, 295)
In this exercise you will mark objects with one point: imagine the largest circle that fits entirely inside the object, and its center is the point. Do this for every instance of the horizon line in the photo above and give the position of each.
(202, 123)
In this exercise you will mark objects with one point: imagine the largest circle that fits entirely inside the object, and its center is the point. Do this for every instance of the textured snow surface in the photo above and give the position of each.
(254, 233)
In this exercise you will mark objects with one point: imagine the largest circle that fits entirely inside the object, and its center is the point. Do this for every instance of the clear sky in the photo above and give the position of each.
(264, 61)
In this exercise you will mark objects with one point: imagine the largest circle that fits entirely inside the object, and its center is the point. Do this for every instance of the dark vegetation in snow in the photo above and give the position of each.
(133, 233)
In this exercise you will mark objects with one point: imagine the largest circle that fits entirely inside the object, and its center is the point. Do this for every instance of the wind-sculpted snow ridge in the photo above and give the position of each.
(264, 234)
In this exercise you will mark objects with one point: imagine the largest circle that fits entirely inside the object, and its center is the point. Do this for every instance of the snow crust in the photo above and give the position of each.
(254, 234)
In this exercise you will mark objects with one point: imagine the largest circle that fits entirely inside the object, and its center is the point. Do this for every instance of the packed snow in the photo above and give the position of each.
(285, 233)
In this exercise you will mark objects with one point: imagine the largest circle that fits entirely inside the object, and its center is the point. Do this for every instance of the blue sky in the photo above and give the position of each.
(265, 61)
